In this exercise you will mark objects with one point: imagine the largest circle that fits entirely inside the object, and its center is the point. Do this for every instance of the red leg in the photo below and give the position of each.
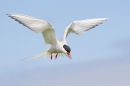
(51, 56)
(56, 56)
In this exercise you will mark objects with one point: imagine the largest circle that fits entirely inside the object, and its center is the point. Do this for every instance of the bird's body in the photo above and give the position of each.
(58, 47)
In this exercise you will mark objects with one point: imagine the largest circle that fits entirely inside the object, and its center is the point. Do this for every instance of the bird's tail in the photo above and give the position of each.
(43, 54)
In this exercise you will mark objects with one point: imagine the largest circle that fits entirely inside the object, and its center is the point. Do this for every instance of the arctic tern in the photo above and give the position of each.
(58, 47)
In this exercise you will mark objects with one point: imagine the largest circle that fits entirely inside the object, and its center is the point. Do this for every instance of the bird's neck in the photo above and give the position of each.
(63, 40)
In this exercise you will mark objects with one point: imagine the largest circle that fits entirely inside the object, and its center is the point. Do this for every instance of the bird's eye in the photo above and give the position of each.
(67, 48)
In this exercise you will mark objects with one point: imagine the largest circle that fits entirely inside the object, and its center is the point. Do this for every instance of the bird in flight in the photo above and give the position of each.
(58, 47)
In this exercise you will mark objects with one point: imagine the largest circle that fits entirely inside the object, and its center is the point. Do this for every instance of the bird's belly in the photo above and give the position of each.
(55, 49)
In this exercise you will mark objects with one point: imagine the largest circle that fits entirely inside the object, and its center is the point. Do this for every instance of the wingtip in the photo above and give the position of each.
(10, 14)
(7, 14)
(105, 18)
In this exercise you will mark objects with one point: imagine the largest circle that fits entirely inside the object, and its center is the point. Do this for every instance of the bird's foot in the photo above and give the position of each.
(70, 57)
(51, 57)
(56, 56)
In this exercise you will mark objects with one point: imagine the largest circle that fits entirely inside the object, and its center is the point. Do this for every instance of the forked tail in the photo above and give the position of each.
(43, 54)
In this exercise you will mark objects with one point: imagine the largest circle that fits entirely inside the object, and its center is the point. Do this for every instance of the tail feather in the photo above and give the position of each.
(43, 54)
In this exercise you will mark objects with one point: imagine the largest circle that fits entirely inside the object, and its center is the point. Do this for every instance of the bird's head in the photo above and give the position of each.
(68, 50)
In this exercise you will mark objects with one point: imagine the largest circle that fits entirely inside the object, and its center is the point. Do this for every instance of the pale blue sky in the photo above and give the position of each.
(108, 43)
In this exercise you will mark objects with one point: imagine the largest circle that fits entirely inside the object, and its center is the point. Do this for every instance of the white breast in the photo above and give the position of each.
(57, 48)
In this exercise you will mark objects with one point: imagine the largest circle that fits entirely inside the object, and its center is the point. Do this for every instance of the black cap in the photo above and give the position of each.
(67, 48)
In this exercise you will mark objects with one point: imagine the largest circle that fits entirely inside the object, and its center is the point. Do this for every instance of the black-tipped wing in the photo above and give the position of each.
(79, 27)
(37, 26)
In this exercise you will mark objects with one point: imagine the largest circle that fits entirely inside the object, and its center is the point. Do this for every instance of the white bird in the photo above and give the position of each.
(58, 47)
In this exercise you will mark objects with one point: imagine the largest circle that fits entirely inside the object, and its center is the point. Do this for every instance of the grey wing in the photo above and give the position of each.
(79, 27)
(37, 25)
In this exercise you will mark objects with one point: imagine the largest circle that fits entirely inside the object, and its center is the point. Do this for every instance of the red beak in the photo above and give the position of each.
(69, 55)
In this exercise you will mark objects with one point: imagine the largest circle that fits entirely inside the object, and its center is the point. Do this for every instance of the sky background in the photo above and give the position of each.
(100, 57)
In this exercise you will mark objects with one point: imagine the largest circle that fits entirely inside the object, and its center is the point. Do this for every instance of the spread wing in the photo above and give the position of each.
(79, 27)
(37, 26)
